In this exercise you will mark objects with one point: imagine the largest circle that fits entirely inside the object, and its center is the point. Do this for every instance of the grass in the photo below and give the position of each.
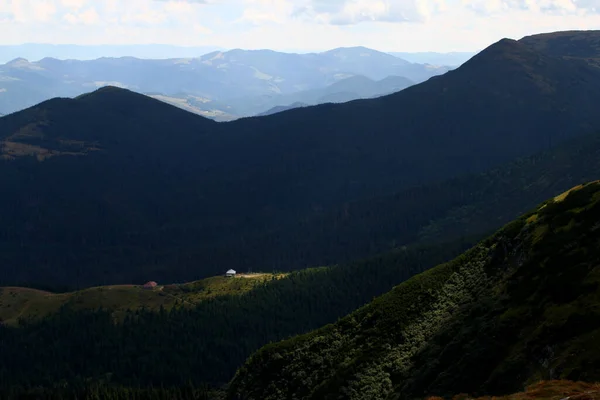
(19, 302)
(562, 196)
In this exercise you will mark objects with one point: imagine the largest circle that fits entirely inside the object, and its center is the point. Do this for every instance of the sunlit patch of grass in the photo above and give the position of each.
(16, 303)
(564, 195)
(544, 390)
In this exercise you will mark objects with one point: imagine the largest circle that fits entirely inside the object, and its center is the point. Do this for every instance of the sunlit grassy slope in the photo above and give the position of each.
(18, 302)
(545, 390)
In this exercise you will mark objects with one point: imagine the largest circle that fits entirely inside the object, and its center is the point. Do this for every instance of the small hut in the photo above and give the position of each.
(230, 274)
(150, 285)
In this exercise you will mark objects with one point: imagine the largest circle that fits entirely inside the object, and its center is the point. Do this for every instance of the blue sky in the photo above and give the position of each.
(389, 25)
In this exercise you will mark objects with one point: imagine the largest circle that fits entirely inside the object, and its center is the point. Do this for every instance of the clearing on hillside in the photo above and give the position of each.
(27, 303)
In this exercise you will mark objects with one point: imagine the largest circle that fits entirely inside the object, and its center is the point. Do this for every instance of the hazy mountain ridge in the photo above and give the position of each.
(348, 89)
(434, 58)
(508, 309)
(279, 109)
(227, 82)
(37, 51)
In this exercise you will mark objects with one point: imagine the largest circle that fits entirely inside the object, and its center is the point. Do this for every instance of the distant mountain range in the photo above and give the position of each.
(355, 87)
(279, 109)
(219, 85)
(38, 51)
(125, 184)
(432, 58)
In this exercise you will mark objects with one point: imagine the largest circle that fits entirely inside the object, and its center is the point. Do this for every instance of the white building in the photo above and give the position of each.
(231, 272)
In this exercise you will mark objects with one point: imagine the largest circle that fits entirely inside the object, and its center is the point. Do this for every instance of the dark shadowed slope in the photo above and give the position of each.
(578, 44)
(519, 307)
(121, 183)
(459, 207)
(456, 208)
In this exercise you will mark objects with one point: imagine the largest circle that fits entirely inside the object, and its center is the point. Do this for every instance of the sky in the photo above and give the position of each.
(311, 25)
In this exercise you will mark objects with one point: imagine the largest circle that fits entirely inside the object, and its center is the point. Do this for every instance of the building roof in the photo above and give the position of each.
(231, 271)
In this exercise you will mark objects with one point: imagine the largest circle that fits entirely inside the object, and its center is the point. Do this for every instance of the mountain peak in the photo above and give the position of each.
(18, 60)
(110, 90)
(21, 63)
(502, 51)
(357, 50)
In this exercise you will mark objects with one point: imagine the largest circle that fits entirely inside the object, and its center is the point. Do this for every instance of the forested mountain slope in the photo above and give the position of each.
(519, 307)
(87, 343)
(452, 209)
(112, 187)
(464, 206)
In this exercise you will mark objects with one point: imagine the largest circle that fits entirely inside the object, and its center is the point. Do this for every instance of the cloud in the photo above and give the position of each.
(259, 12)
(402, 25)
(25, 11)
(87, 17)
(183, 1)
(74, 4)
(561, 7)
(351, 12)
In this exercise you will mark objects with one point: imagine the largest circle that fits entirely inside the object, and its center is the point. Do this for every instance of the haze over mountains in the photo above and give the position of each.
(38, 51)
(433, 58)
(219, 85)
(352, 88)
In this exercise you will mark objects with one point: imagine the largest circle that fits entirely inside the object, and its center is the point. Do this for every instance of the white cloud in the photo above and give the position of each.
(184, 1)
(349, 12)
(487, 7)
(265, 11)
(292, 24)
(25, 11)
(87, 17)
(75, 4)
